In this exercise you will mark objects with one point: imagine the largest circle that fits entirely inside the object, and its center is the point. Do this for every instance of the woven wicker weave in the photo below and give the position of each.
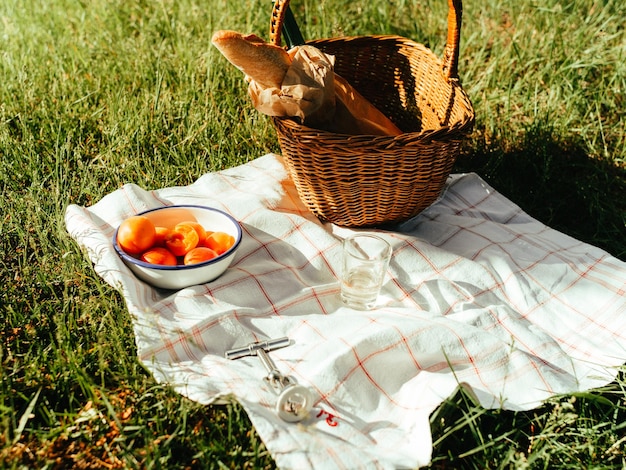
(364, 181)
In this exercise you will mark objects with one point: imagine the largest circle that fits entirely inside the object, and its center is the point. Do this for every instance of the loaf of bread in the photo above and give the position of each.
(356, 115)
(329, 103)
(262, 62)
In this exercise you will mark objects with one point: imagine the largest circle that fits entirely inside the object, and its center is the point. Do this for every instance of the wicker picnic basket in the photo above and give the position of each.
(364, 181)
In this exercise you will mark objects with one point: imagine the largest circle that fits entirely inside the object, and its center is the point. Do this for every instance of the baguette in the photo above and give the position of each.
(337, 108)
(262, 62)
(356, 115)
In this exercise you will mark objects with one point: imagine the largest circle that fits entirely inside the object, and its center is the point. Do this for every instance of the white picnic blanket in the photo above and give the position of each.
(478, 294)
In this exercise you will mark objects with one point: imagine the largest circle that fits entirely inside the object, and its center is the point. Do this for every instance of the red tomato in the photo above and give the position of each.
(199, 254)
(136, 234)
(159, 255)
(182, 239)
(219, 242)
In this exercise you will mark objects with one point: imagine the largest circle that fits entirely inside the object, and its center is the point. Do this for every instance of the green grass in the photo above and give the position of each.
(94, 94)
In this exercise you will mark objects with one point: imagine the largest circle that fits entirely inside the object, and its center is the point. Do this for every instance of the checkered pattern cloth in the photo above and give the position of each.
(478, 294)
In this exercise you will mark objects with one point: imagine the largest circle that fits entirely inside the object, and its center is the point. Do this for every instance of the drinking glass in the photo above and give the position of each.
(365, 262)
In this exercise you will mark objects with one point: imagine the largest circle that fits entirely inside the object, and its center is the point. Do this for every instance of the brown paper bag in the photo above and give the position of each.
(320, 98)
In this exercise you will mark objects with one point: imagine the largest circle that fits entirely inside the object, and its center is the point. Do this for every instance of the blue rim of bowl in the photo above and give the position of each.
(138, 262)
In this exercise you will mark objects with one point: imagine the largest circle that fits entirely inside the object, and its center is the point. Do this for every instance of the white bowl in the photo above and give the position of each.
(178, 277)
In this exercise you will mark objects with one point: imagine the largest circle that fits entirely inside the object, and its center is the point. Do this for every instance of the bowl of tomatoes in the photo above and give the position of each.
(179, 246)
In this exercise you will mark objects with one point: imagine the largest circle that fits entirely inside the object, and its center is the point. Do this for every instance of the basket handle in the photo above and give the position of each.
(277, 20)
(451, 52)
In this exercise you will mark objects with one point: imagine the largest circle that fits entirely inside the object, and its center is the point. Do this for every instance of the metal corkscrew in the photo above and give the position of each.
(294, 401)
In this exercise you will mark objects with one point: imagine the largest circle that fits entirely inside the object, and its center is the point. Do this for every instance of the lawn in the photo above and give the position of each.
(96, 94)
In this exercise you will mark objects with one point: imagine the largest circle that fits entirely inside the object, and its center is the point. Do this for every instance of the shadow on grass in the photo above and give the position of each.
(582, 430)
(557, 183)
